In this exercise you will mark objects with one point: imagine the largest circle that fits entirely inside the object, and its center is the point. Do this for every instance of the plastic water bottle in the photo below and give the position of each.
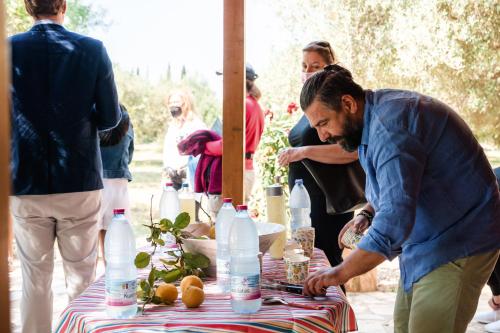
(169, 209)
(300, 206)
(244, 266)
(169, 203)
(187, 202)
(223, 225)
(121, 273)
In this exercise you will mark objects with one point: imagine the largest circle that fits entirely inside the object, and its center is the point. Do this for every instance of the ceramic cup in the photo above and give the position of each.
(305, 237)
(297, 269)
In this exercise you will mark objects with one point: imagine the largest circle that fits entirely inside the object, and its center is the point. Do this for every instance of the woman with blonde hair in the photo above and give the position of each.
(183, 122)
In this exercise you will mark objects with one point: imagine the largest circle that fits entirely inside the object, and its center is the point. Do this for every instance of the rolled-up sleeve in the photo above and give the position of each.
(399, 163)
(106, 97)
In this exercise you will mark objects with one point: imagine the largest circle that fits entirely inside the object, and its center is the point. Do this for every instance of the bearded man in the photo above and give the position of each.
(433, 200)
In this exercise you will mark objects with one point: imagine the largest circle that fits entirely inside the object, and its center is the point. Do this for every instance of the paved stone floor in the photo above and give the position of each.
(373, 310)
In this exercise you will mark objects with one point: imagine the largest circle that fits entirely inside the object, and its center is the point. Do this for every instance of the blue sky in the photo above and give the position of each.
(150, 34)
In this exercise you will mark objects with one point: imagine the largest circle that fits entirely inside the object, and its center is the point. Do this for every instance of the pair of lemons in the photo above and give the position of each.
(191, 288)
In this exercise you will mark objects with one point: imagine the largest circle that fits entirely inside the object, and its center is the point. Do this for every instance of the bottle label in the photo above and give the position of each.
(245, 288)
(121, 293)
(223, 268)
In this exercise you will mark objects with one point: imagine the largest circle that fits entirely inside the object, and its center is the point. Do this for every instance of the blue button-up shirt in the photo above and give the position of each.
(434, 192)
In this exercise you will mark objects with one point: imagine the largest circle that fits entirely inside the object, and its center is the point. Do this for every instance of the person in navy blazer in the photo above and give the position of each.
(63, 93)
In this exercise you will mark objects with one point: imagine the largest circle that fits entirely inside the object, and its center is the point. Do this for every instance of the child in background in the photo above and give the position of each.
(117, 147)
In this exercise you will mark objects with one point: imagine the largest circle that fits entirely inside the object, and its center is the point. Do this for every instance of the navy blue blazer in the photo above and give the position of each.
(63, 92)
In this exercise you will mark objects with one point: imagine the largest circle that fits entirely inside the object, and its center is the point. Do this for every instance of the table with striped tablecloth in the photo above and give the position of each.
(87, 312)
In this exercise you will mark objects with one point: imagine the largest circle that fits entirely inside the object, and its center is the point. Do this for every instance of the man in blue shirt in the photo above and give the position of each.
(432, 196)
(63, 92)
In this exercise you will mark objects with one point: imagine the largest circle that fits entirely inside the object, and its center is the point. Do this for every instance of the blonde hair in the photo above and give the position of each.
(187, 104)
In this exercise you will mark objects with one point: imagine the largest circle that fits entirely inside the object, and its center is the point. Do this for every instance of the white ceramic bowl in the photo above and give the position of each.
(268, 232)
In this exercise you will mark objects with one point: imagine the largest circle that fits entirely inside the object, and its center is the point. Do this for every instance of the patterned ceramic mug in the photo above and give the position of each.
(297, 269)
(305, 237)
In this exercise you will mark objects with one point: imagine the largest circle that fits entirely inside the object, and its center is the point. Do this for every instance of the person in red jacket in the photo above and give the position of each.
(254, 126)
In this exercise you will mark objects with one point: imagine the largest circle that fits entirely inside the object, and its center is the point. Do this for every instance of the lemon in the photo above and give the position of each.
(167, 293)
(192, 297)
(191, 280)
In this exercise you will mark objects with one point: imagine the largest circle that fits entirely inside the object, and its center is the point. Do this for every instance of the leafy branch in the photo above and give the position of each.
(177, 265)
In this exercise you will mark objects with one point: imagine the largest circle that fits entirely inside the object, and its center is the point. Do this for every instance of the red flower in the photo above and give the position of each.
(292, 107)
(270, 114)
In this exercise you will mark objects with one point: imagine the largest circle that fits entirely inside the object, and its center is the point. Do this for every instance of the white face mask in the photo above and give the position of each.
(305, 76)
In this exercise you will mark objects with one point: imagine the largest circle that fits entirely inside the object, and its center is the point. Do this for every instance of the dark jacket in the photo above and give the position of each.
(63, 92)
(117, 156)
(342, 185)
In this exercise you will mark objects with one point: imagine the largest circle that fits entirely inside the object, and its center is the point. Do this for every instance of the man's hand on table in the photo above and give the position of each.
(317, 282)
(357, 262)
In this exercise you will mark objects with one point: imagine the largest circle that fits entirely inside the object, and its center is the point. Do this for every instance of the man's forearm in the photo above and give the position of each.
(358, 262)
(328, 154)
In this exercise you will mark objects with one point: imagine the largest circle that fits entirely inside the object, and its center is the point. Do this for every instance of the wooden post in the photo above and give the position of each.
(233, 108)
(4, 176)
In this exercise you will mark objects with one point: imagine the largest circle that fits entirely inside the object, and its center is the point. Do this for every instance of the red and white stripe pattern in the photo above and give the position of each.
(87, 314)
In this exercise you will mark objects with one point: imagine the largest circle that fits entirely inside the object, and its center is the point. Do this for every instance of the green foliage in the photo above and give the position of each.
(179, 264)
(80, 17)
(145, 101)
(446, 49)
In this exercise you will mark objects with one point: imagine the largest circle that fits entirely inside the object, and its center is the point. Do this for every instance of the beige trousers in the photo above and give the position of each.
(71, 218)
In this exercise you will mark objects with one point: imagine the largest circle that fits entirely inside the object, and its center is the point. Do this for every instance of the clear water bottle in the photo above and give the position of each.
(222, 228)
(300, 206)
(244, 266)
(187, 203)
(121, 273)
(169, 209)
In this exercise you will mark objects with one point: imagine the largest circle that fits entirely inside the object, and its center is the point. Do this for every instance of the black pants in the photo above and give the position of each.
(494, 280)
(327, 228)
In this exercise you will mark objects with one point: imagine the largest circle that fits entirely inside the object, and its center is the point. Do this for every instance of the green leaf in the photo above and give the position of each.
(152, 276)
(169, 262)
(165, 225)
(173, 254)
(196, 260)
(182, 220)
(142, 259)
(159, 241)
(171, 275)
(156, 300)
(145, 286)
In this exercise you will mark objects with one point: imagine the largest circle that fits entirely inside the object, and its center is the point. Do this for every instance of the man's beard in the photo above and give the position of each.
(351, 138)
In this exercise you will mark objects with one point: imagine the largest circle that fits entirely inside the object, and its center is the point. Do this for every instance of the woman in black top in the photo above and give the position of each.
(322, 167)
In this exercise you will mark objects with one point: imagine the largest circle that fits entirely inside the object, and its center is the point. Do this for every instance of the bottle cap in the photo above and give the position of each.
(299, 181)
(169, 184)
(275, 190)
(118, 211)
(241, 207)
(227, 200)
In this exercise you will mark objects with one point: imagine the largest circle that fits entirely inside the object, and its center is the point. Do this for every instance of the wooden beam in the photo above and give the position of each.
(233, 108)
(4, 176)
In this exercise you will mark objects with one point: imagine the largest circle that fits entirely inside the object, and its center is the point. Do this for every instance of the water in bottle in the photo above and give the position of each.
(300, 206)
(244, 266)
(121, 273)
(169, 209)
(187, 202)
(222, 228)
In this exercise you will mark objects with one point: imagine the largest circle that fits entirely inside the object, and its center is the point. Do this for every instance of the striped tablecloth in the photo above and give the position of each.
(87, 312)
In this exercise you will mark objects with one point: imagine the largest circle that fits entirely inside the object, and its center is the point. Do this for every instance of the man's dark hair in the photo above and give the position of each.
(43, 7)
(328, 87)
(114, 136)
